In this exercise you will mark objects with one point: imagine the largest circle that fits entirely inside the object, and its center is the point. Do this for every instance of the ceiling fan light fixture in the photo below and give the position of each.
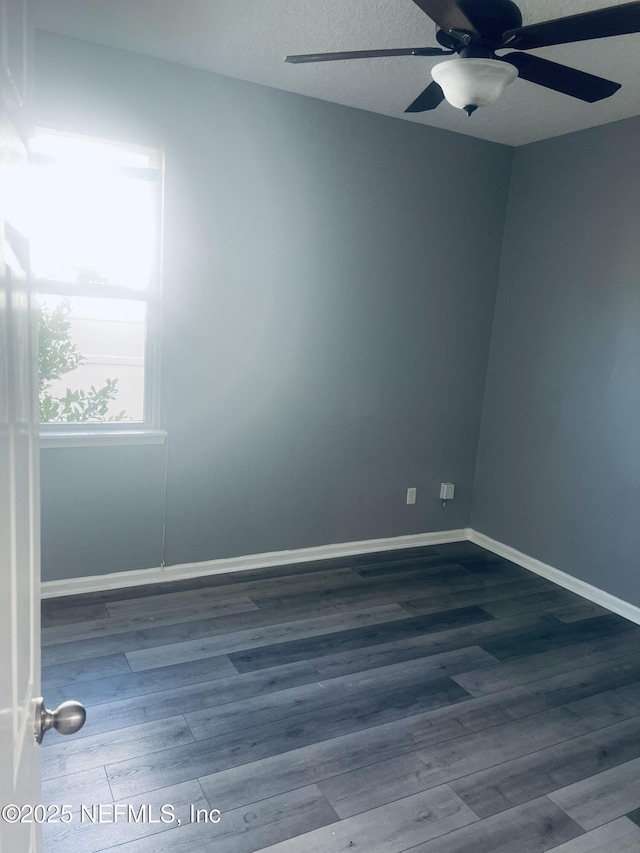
(470, 83)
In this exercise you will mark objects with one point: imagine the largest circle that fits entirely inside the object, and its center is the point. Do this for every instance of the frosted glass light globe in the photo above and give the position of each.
(473, 82)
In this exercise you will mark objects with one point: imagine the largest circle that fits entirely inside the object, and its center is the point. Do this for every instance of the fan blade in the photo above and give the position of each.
(366, 54)
(428, 100)
(561, 78)
(447, 15)
(615, 21)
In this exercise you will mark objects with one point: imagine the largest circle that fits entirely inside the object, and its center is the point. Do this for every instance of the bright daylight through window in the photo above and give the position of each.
(95, 260)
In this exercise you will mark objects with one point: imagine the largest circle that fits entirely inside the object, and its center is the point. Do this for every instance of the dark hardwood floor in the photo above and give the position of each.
(437, 700)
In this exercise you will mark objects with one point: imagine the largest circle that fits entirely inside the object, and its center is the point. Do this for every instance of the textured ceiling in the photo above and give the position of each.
(248, 39)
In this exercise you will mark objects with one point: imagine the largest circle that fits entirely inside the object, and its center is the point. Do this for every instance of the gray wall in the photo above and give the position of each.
(330, 277)
(558, 472)
(101, 509)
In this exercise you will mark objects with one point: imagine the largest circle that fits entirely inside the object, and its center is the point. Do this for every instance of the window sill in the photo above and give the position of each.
(96, 438)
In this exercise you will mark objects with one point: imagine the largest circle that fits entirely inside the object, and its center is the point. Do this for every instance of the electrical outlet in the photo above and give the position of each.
(411, 496)
(447, 491)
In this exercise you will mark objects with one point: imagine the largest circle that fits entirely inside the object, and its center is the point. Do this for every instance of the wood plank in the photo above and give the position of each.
(634, 816)
(58, 614)
(483, 558)
(172, 765)
(228, 644)
(108, 626)
(464, 548)
(514, 782)
(423, 646)
(557, 635)
(355, 791)
(545, 665)
(94, 689)
(588, 680)
(387, 829)
(409, 553)
(245, 830)
(150, 638)
(246, 783)
(71, 672)
(253, 588)
(479, 595)
(192, 697)
(76, 789)
(61, 758)
(463, 578)
(396, 588)
(535, 827)
(260, 710)
(354, 638)
(432, 564)
(619, 836)
(411, 572)
(372, 579)
(582, 610)
(603, 797)
(369, 591)
(546, 600)
(496, 567)
(83, 836)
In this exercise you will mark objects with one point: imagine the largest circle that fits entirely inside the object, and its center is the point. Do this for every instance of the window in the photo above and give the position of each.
(95, 259)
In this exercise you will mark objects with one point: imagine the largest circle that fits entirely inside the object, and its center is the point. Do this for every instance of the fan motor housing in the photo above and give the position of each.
(491, 18)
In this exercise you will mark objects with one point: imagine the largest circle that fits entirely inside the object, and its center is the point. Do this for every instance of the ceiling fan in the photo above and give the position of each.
(476, 29)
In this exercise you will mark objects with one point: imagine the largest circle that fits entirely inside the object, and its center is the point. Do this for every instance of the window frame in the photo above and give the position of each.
(102, 433)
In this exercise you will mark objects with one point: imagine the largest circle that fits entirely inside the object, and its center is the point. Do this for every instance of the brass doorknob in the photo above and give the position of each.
(67, 719)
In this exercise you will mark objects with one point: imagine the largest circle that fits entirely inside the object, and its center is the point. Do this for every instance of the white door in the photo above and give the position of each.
(19, 497)
(19, 534)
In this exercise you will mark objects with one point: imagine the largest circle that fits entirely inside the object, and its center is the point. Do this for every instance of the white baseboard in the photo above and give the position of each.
(586, 590)
(138, 577)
